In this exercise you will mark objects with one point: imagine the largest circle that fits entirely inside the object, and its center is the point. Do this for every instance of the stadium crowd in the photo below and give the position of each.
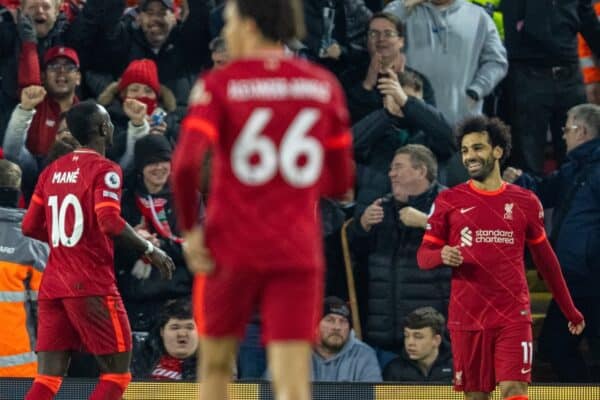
(412, 70)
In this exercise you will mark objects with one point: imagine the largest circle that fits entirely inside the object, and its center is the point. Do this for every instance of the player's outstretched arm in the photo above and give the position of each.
(547, 263)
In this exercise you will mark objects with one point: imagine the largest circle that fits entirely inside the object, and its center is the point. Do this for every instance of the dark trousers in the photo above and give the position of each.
(561, 348)
(538, 99)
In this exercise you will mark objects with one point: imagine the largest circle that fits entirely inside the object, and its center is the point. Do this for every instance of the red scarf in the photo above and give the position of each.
(150, 103)
(168, 368)
(153, 211)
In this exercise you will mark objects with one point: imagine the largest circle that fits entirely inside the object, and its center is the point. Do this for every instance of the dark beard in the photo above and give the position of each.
(486, 169)
(333, 348)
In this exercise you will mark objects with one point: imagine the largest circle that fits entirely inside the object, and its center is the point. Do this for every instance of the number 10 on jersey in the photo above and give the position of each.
(59, 235)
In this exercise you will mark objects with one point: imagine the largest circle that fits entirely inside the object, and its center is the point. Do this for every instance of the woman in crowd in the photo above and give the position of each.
(138, 105)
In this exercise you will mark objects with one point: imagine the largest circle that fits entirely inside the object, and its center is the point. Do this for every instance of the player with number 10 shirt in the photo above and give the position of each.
(79, 265)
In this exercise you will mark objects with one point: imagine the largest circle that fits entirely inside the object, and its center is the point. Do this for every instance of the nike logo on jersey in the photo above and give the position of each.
(525, 370)
(466, 210)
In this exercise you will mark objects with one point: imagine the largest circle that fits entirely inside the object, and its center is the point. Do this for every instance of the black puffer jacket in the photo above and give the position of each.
(403, 369)
(395, 284)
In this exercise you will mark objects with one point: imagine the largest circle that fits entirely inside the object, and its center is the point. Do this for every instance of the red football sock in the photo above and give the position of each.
(111, 387)
(44, 387)
(517, 397)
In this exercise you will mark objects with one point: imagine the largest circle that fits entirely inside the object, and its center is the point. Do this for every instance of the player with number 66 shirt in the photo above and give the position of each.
(279, 132)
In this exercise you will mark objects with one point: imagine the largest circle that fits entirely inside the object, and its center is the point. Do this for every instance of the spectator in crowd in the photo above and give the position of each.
(138, 105)
(148, 207)
(22, 261)
(385, 241)
(385, 44)
(457, 46)
(574, 193)
(180, 49)
(426, 356)
(37, 121)
(38, 27)
(544, 79)
(335, 32)
(338, 355)
(405, 119)
(44, 105)
(171, 349)
(218, 52)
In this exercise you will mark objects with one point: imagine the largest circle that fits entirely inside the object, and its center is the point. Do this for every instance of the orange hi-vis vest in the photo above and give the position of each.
(21, 261)
(590, 65)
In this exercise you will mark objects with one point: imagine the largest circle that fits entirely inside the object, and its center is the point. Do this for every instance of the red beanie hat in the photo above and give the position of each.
(140, 71)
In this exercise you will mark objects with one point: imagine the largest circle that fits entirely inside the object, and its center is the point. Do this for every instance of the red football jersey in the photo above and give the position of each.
(71, 189)
(279, 130)
(489, 289)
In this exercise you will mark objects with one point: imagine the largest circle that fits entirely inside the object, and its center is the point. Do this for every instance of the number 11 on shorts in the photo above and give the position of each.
(527, 352)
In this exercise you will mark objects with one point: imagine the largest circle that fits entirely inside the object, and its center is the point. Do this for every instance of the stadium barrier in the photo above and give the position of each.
(80, 389)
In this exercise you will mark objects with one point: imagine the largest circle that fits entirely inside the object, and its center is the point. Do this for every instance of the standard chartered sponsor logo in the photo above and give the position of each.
(466, 237)
(496, 236)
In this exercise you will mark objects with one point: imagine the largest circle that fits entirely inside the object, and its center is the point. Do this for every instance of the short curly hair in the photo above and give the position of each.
(498, 132)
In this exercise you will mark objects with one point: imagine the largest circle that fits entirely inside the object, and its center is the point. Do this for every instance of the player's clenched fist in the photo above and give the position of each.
(372, 215)
(163, 262)
(576, 329)
(451, 256)
(31, 96)
(197, 256)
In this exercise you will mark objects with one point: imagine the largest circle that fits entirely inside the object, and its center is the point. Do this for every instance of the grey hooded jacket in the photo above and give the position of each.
(457, 48)
(356, 362)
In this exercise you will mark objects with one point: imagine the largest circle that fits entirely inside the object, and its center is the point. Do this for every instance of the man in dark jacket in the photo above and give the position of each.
(544, 78)
(574, 193)
(180, 49)
(405, 119)
(385, 44)
(426, 357)
(385, 241)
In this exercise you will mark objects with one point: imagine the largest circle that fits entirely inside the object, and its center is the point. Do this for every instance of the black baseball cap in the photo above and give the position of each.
(143, 4)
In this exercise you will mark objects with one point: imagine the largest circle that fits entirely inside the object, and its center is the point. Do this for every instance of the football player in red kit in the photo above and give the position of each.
(76, 209)
(481, 228)
(279, 132)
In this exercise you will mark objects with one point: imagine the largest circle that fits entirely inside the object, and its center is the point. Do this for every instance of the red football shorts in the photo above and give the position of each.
(96, 324)
(484, 358)
(289, 300)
